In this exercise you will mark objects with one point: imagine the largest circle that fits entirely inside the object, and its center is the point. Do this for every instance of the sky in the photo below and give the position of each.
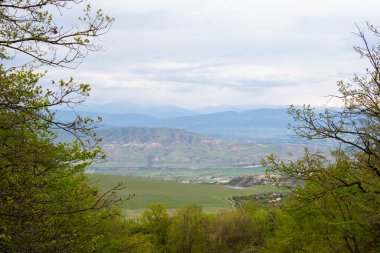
(196, 54)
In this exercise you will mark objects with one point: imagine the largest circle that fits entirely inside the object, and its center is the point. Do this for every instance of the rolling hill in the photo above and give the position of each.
(173, 148)
(182, 155)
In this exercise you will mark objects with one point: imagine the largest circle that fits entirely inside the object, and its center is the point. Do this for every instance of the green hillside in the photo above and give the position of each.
(173, 194)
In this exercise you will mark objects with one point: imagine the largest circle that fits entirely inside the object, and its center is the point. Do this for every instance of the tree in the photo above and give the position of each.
(31, 27)
(357, 125)
(232, 231)
(341, 192)
(155, 221)
(46, 202)
(186, 231)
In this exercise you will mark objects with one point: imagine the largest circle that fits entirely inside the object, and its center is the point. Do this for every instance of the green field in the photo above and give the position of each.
(202, 175)
(173, 194)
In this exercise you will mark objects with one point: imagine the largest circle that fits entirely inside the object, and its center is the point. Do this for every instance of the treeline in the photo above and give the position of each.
(320, 226)
(191, 230)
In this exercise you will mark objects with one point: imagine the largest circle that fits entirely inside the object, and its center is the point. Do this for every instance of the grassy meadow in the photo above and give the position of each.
(173, 194)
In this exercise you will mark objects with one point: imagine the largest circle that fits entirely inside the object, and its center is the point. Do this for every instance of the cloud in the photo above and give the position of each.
(244, 52)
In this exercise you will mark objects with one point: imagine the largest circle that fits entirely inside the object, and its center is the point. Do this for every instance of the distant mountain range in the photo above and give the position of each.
(162, 111)
(260, 125)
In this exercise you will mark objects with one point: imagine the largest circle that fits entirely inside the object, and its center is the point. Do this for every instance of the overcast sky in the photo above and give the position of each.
(200, 53)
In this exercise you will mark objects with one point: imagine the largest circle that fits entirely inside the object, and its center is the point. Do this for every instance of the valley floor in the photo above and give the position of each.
(211, 197)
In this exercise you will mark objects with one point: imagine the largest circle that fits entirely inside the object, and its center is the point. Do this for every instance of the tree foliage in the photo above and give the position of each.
(186, 230)
(339, 201)
(46, 201)
(33, 27)
(235, 231)
(189, 229)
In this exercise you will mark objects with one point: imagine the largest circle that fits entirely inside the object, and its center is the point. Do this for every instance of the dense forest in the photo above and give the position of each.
(48, 205)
